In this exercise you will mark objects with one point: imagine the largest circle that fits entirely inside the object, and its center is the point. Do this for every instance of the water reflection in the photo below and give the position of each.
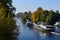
(46, 36)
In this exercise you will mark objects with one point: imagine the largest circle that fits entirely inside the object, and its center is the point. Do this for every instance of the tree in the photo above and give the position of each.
(57, 15)
(49, 18)
(39, 8)
(26, 16)
(7, 23)
(40, 15)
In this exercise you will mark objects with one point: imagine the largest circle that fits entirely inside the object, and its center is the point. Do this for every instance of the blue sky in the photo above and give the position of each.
(32, 5)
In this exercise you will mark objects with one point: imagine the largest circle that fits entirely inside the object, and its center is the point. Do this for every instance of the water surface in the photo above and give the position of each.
(26, 33)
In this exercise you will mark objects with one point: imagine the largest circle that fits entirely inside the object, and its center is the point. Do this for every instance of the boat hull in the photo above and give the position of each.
(30, 25)
(42, 29)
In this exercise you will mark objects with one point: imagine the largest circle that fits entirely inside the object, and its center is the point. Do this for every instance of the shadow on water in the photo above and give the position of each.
(47, 36)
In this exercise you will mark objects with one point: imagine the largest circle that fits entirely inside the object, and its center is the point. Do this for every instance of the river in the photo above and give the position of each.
(26, 33)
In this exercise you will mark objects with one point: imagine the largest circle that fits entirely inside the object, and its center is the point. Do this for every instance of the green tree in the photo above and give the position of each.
(7, 23)
(49, 18)
(26, 16)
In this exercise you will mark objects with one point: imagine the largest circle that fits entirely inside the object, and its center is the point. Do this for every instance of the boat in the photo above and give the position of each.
(29, 24)
(44, 27)
(57, 24)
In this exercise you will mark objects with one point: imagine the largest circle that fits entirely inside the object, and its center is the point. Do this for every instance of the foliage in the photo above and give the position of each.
(40, 15)
(7, 23)
(25, 16)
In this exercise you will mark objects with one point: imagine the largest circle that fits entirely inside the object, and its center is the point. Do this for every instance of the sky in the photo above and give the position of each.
(32, 5)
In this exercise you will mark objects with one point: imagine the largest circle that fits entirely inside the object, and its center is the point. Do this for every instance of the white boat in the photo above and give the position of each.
(45, 27)
(29, 23)
(57, 24)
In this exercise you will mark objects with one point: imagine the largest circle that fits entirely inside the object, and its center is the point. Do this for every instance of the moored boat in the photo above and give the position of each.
(29, 24)
(57, 24)
(44, 27)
